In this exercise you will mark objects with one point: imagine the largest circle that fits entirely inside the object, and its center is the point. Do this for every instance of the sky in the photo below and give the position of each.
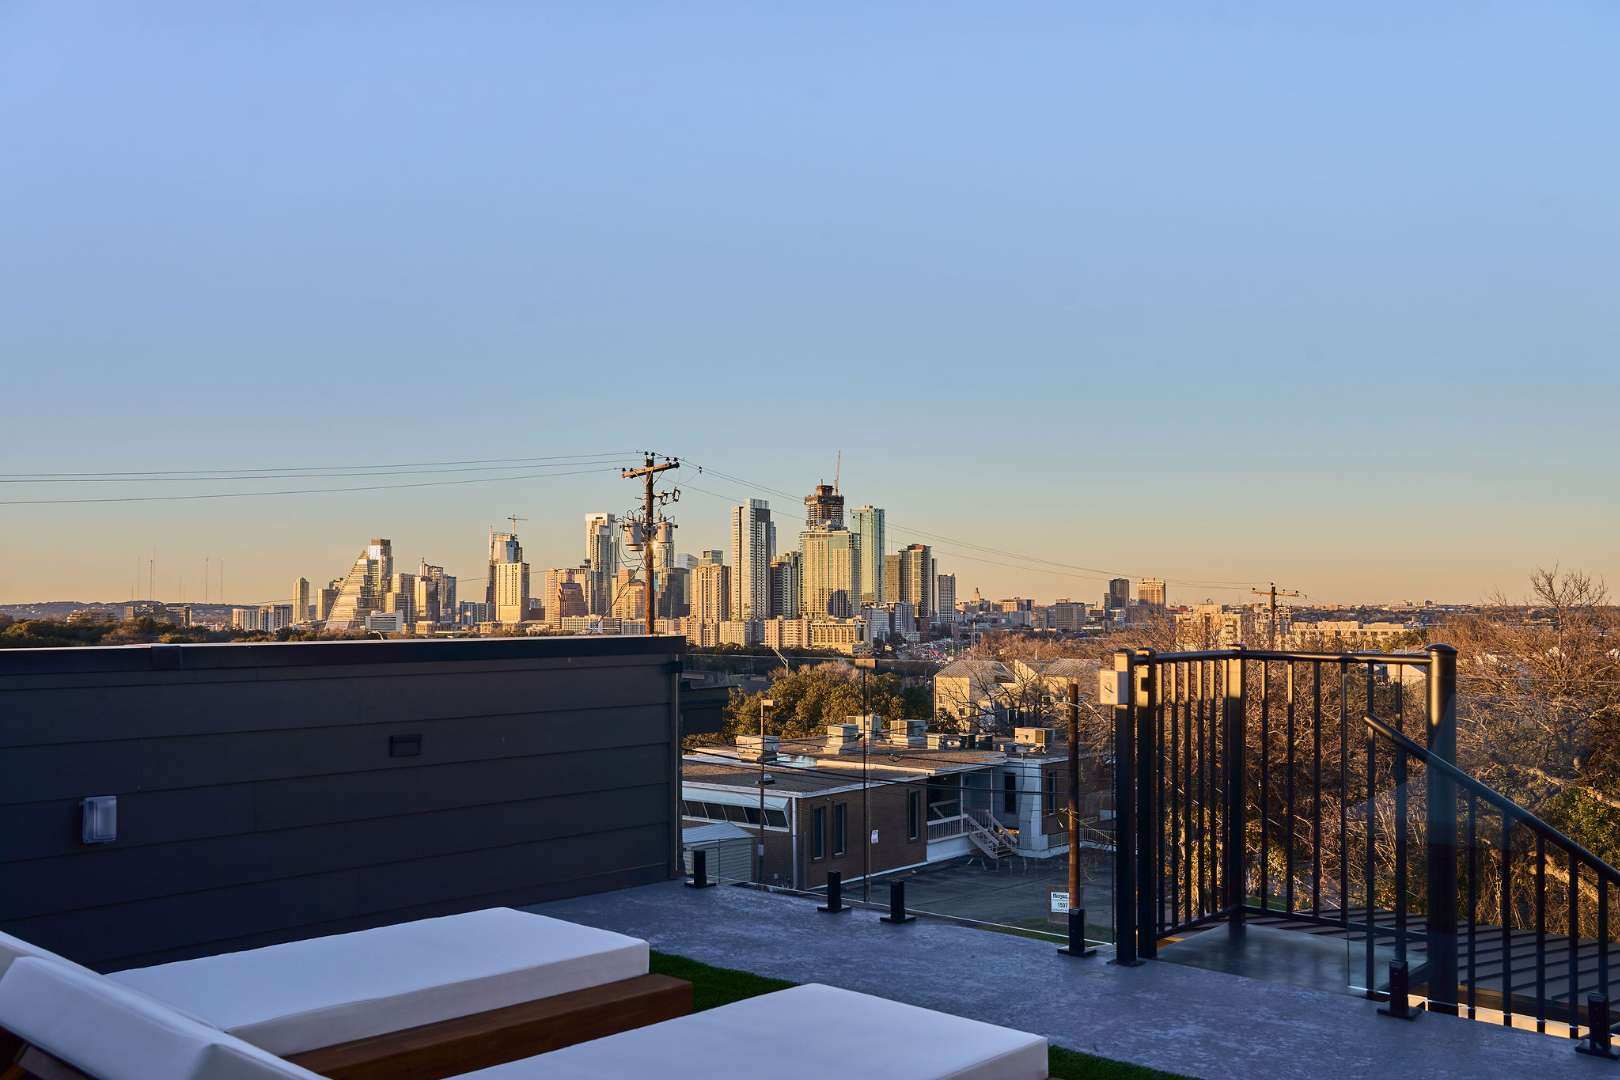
(1222, 293)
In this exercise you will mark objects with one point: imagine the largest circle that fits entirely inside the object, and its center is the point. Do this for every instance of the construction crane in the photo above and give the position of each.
(1273, 592)
(514, 519)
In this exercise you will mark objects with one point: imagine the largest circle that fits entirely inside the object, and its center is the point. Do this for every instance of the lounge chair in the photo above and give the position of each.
(416, 998)
(79, 1025)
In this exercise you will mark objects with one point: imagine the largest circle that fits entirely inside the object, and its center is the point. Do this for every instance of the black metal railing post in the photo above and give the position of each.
(1077, 934)
(700, 870)
(1124, 815)
(1233, 735)
(1145, 695)
(835, 894)
(897, 904)
(1441, 916)
(1400, 992)
(1597, 1042)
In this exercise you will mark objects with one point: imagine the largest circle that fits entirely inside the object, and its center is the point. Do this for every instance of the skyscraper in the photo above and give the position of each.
(869, 532)
(1150, 590)
(511, 592)
(945, 598)
(917, 581)
(832, 566)
(300, 600)
(565, 593)
(602, 559)
(363, 588)
(891, 579)
(753, 546)
(443, 588)
(787, 585)
(1118, 597)
(711, 592)
(824, 508)
(503, 548)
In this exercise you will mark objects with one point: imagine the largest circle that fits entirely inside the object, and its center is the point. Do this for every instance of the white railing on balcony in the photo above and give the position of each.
(945, 828)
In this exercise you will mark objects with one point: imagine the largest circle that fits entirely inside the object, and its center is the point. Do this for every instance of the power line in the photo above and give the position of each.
(320, 468)
(1088, 571)
(363, 470)
(1028, 563)
(298, 491)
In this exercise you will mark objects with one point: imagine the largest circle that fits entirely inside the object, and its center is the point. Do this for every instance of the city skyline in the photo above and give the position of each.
(1271, 318)
(706, 522)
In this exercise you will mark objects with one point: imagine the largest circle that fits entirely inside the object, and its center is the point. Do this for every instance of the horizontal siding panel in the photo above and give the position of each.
(259, 801)
(41, 830)
(61, 771)
(113, 876)
(286, 905)
(89, 714)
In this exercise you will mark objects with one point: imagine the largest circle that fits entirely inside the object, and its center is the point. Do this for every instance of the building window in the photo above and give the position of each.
(840, 830)
(913, 814)
(1051, 793)
(818, 833)
(1009, 793)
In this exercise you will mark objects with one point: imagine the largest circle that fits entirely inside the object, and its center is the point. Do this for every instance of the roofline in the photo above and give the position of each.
(70, 660)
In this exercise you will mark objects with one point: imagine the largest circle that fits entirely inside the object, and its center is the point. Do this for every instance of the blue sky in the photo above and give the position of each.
(1218, 292)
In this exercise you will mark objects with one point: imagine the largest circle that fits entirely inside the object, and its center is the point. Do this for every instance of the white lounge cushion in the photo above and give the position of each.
(323, 991)
(114, 1033)
(810, 1031)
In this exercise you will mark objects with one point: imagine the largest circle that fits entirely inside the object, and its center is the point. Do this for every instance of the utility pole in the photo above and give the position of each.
(1273, 593)
(649, 472)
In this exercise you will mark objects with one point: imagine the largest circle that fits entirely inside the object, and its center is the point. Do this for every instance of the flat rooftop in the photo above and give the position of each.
(1163, 1015)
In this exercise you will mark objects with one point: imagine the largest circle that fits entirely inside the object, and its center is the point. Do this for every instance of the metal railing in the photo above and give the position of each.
(1289, 786)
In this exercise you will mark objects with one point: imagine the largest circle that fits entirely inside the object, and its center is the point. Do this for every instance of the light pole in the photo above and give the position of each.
(759, 875)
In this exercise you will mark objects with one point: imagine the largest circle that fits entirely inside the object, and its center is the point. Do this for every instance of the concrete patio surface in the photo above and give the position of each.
(1168, 1016)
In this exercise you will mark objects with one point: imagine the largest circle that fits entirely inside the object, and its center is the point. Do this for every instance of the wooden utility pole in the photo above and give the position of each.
(648, 472)
(1274, 592)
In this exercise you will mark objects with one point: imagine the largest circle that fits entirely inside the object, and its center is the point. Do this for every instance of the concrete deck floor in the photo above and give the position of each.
(1169, 1016)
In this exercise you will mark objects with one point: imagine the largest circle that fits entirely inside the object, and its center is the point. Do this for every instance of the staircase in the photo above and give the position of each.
(989, 835)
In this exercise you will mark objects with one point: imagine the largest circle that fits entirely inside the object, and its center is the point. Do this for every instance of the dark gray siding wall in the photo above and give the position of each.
(259, 800)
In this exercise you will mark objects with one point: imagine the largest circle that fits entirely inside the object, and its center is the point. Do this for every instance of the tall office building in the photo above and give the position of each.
(945, 598)
(832, 568)
(1118, 597)
(753, 546)
(511, 592)
(869, 532)
(401, 599)
(824, 508)
(787, 585)
(602, 558)
(711, 593)
(891, 578)
(1150, 590)
(917, 581)
(565, 593)
(503, 548)
(363, 588)
(442, 600)
(325, 599)
(629, 596)
(300, 600)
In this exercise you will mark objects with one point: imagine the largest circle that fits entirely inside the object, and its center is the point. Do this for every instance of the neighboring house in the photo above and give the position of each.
(1000, 695)
(918, 798)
